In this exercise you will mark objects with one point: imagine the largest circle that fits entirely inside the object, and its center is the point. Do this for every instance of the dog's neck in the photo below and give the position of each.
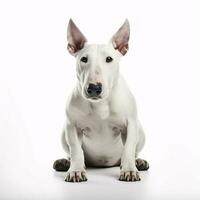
(101, 108)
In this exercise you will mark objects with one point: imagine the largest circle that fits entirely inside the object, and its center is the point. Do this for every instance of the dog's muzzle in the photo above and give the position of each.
(94, 91)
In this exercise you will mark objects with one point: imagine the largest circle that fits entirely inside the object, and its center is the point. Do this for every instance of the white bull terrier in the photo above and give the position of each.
(102, 128)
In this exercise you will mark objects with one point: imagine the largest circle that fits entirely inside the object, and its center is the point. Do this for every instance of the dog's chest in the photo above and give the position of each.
(101, 128)
(102, 142)
(101, 124)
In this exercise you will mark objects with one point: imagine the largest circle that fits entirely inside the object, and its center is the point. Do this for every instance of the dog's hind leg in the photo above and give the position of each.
(141, 164)
(64, 163)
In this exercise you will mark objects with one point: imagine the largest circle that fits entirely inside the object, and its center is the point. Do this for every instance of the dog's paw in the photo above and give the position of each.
(141, 164)
(61, 165)
(129, 176)
(76, 176)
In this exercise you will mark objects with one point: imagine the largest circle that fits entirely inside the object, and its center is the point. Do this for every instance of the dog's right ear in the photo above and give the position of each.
(76, 40)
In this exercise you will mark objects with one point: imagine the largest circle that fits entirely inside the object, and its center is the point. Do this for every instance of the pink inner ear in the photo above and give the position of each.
(71, 49)
(74, 47)
(121, 42)
(123, 49)
(121, 38)
(76, 39)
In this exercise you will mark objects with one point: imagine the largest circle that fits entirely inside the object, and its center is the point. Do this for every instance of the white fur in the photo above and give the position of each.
(104, 132)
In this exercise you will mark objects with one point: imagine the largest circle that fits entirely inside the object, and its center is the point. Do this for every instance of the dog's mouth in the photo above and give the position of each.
(94, 99)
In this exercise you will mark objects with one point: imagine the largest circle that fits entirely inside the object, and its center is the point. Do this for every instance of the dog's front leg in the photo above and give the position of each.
(128, 170)
(76, 172)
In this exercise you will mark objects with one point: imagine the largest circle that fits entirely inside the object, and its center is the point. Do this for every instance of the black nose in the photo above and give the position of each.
(94, 90)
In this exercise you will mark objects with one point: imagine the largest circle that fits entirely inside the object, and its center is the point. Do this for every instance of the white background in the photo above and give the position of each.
(37, 74)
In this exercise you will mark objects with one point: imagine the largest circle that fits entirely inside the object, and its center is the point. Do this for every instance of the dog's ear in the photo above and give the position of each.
(121, 37)
(76, 40)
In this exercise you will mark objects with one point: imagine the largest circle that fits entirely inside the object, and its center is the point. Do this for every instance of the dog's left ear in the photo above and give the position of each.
(121, 38)
(76, 39)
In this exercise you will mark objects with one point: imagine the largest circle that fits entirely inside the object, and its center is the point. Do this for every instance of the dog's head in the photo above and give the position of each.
(97, 65)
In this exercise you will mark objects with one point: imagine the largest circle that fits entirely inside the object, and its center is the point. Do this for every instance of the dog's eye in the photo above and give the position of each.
(108, 59)
(84, 59)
